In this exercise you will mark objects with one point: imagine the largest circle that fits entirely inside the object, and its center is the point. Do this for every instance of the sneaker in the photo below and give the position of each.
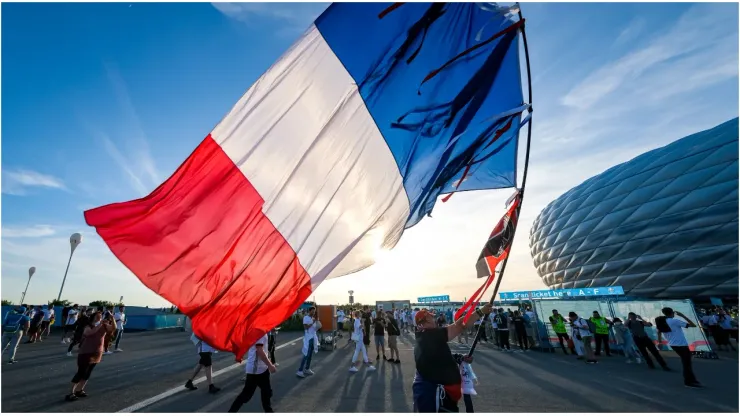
(694, 385)
(300, 374)
(189, 385)
(276, 365)
(353, 369)
(390, 360)
(119, 350)
(308, 372)
(213, 389)
(591, 361)
(371, 368)
(70, 397)
(81, 393)
(107, 353)
(397, 361)
(12, 361)
(69, 354)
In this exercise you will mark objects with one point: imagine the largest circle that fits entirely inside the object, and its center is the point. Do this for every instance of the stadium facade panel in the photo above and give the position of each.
(662, 225)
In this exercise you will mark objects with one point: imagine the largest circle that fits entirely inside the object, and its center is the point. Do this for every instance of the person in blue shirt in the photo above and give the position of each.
(16, 323)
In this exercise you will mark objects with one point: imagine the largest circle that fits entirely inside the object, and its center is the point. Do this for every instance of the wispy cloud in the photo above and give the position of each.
(296, 17)
(131, 152)
(631, 32)
(34, 231)
(19, 181)
(702, 26)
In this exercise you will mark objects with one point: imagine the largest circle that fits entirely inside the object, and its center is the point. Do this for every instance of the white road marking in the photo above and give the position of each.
(173, 391)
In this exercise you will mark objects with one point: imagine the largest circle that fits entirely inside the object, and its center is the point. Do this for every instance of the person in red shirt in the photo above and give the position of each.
(90, 353)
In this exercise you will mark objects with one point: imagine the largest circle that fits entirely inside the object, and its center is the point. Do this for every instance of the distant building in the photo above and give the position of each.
(389, 305)
(663, 225)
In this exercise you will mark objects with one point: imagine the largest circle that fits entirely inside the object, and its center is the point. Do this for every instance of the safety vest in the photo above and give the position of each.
(600, 323)
(559, 325)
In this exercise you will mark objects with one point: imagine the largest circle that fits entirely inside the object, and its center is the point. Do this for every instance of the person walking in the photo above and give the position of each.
(48, 312)
(582, 333)
(90, 354)
(258, 369)
(393, 333)
(671, 329)
(205, 352)
(601, 334)
(120, 319)
(69, 321)
(723, 331)
(82, 322)
(623, 337)
(644, 343)
(16, 324)
(558, 326)
(309, 336)
(360, 348)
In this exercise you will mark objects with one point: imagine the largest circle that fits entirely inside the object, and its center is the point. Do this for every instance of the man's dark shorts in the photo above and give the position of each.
(206, 359)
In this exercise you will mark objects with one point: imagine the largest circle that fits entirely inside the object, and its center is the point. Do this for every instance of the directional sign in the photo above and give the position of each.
(430, 299)
(563, 293)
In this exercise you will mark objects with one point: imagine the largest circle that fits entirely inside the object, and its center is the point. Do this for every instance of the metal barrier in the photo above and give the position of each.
(151, 322)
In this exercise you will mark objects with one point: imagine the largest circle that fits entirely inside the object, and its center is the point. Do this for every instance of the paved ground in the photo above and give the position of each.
(157, 364)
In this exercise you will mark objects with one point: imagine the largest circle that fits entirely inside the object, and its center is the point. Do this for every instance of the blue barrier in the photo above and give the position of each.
(133, 322)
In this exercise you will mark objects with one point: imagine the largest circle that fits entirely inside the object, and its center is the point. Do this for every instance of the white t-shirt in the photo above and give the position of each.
(676, 337)
(255, 365)
(119, 317)
(48, 313)
(203, 347)
(71, 317)
(358, 328)
(311, 331)
(580, 326)
(340, 316)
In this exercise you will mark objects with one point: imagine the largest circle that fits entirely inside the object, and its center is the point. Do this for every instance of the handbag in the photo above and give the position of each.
(355, 337)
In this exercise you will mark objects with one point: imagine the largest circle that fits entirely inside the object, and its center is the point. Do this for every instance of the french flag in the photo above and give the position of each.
(348, 139)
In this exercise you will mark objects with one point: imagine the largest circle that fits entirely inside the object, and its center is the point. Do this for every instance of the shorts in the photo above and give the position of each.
(206, 359)
(340, 326)
(44, 325)
(380, 340)
(392, 341)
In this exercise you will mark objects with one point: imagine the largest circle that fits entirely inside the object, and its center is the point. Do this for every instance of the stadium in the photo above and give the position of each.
(662, 225)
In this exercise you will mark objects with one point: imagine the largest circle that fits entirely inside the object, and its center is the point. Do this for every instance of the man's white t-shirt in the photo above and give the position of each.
(48, 313)
(311, 331)
(255, 365)
(71, 317)
(358, 329)
(119, 317)
(676, 337)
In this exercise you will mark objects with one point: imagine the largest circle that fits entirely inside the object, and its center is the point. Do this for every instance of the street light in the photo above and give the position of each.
(74, 241)
(351, 298)
(31, 271)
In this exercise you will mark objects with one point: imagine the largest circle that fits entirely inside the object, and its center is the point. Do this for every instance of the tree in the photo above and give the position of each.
(57, 302)
(101, 303)
(6, 303)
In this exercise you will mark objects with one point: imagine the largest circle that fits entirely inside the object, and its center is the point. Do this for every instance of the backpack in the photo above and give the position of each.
(12, 323)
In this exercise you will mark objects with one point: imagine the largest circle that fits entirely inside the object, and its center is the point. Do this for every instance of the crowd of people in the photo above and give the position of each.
(95, 331)
(438, 378)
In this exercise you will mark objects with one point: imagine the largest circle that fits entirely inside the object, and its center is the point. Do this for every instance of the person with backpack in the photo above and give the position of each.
(644, 343)
(599, 326)
(671, 329)
(582, 332)
(502, 322)
(15, 325)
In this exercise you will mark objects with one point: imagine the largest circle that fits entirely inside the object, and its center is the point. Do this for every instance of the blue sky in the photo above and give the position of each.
(101, 102)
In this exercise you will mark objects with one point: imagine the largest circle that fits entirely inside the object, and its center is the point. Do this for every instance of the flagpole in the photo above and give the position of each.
(524, 181)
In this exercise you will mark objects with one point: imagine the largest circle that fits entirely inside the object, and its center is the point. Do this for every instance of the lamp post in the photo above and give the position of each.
(74, 241)
(351, 298)
(31, 271)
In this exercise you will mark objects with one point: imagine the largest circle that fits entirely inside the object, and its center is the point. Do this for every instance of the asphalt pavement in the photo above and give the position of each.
(148, 377)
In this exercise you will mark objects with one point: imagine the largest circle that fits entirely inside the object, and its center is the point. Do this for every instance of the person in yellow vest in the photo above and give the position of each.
(558, 325)
(601, 333)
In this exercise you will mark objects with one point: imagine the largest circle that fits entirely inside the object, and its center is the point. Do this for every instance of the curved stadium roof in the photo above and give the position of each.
(664, 224)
